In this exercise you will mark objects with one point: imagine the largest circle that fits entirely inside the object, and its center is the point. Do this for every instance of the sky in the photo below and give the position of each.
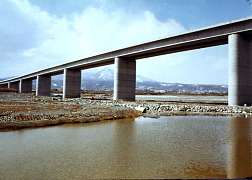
(37, 34)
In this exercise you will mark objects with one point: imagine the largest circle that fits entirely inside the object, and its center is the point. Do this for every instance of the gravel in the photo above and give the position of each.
(27, 110)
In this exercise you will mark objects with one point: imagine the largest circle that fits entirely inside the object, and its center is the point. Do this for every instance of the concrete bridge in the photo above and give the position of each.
(237, 34)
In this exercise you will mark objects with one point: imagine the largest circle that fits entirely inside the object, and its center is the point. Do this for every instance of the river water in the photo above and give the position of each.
(183, 98)
(167, 147)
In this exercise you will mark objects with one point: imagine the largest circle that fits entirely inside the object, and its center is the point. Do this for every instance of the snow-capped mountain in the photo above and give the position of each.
(103, 79)
(107, 74)
(140, 78)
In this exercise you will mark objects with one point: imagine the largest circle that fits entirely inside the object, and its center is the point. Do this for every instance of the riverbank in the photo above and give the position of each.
(27, 110)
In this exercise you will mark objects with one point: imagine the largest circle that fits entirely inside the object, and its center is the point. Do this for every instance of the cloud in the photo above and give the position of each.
(16, 26)
(33, 39)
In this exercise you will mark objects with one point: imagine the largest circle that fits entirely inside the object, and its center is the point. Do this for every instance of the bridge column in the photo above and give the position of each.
(71, 83)
(14, 85)
(43, 86)
(124, 79)
(25, 85)
(240, 72)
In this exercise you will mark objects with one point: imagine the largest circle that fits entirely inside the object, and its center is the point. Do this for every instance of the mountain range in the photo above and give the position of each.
(103, 80)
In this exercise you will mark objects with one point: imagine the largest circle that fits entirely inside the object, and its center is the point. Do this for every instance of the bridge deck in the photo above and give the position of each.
(200, 38)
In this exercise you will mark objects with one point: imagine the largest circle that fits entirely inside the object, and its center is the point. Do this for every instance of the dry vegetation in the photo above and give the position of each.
(8, 90)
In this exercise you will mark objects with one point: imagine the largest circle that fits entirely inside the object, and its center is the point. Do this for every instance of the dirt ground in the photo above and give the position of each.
(27, 110)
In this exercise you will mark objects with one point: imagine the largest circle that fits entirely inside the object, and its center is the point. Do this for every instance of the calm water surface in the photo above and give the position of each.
(168, 147)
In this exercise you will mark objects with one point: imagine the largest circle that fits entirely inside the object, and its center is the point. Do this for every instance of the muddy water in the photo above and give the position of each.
(168, 147)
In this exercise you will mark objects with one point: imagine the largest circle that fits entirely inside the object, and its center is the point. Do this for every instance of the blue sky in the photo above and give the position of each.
(37, 34)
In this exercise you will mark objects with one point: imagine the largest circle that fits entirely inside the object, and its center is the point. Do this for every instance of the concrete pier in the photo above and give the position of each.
(14, 85)
(71, 83)
(43, 86)
(240, 72)
(25, 85)
(125, 79)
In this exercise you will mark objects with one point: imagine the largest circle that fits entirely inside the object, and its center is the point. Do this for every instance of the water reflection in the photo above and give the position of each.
(167, 147)
(124, 140)
(239, 148)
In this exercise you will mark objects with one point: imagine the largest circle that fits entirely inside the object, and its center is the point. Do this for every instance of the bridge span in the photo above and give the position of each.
(237, 34)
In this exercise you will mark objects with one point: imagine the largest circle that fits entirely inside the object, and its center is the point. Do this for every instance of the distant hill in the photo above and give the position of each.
(107, 74)
(104, 80)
